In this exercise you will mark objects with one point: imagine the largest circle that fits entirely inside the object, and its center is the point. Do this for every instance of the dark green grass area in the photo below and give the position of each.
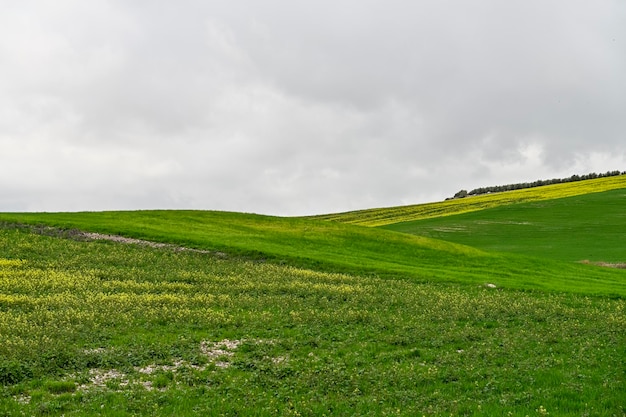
(587, 227)
(335, 247)
(106, 329)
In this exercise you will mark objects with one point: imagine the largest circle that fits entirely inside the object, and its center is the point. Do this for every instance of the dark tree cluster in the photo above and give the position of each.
(538, 183)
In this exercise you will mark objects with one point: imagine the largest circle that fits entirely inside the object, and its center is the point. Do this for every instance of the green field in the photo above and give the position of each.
(392, 215)
(308, 317)
(586, 227)
(336, 247)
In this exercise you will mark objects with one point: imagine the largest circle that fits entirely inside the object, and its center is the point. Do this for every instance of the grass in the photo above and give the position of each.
(336, 247)
(392, 215)
(586, 227)
(102, 328)
(304, 317)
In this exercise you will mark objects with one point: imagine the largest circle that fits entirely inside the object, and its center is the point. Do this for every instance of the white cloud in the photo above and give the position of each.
(290, 108)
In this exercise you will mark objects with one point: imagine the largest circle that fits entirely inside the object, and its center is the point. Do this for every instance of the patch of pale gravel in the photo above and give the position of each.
(96, 351)
(81, 235)
(219, 354)
(150, 369)
(100, 377)
(225, 350)
(217, 350)
(147, 385)
(22, 399)
(213, 350)
(451, 229)
(131, 241)
(279, 360)
(122, 239)
(612, 265)
(618, 265)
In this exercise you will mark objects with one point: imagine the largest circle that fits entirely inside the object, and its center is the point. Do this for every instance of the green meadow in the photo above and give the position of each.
(392, 215)
(484, 312)
(336, 247)
(586, 227)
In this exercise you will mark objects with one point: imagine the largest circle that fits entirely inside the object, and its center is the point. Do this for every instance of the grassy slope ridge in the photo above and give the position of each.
(586, 227)
(390, 215)
(331, 246)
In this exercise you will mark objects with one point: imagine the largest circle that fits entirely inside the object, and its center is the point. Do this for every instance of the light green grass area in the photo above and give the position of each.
(108, 329)
(335, 247)
(587, 227)
(391, 215)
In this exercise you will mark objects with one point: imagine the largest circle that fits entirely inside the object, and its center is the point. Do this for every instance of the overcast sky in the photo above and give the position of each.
(302, 107)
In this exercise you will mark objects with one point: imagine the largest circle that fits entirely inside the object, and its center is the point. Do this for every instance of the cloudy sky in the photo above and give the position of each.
(302, 107)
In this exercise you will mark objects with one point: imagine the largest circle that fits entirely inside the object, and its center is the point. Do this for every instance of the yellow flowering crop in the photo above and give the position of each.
(384, 216)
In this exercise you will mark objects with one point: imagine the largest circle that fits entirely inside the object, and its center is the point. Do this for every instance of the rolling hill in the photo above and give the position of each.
(337, 247)
(585, 227)
(469, 307)
(391, 215)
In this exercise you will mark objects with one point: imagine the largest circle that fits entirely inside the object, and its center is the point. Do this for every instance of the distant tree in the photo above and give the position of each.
(538, 183)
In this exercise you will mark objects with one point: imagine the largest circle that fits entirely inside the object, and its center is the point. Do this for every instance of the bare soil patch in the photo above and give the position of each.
(619, 265)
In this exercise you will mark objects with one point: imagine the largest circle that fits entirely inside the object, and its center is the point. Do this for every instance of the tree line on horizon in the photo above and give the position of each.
(538, 183)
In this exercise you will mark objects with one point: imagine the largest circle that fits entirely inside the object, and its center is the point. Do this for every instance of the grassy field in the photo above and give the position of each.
(103, 328)
(304, 317)
(586, 227)
(391, 215)
(335, 247)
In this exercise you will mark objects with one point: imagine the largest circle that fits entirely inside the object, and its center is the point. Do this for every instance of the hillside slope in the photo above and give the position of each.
(391, 215)
(91, 328)
(336, 247)
(585, 227)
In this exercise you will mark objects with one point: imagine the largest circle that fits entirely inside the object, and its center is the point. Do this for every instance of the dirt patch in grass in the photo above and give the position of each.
(218, 353)
(80, 235)
(619, 265)
(131, 241)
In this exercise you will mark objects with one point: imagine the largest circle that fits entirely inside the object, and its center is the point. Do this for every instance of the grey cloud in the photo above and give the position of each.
(301, 107)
